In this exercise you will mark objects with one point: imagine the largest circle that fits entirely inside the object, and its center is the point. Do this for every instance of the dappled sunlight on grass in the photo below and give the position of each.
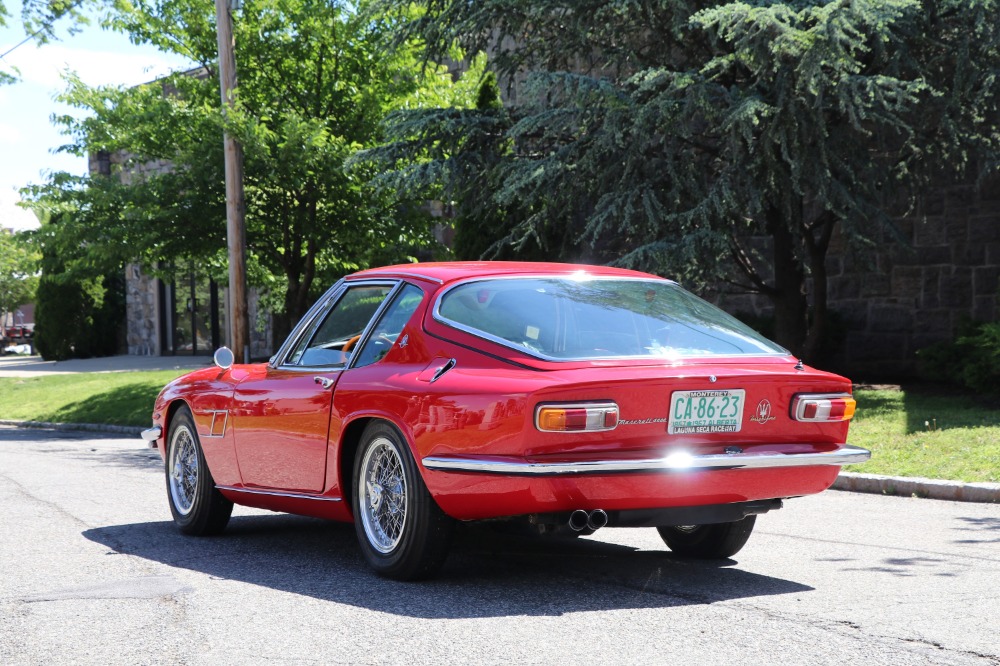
(928, 432)
(121, 398)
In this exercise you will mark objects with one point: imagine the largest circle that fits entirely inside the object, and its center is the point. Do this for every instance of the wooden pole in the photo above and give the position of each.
(239, 317)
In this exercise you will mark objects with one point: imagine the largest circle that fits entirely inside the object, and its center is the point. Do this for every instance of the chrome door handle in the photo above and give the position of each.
(325, 381)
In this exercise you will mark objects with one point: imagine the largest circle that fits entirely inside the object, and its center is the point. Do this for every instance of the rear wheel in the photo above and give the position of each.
(197, 507)
(708, 542)
(402, 532)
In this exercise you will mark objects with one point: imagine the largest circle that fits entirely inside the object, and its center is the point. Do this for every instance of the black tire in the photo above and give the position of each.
(402, 532)
(197, 507)
(708, 542)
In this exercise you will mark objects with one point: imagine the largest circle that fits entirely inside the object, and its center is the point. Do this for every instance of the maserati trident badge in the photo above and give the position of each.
(763, 413)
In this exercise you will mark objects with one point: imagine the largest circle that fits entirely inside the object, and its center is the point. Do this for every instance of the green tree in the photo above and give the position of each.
(666, 135)
(18, 273)
(79, 301)
(315, 81)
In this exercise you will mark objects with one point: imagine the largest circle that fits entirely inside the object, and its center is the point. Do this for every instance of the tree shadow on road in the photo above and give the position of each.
(487, 574)
(988, 526)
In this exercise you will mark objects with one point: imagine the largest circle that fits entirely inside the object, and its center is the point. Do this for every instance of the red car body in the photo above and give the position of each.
(467, 406)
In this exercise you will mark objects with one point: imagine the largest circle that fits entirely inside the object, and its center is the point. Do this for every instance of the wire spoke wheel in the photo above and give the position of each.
(402, 532)
(196, 504)
(382, 495)
(183, 470)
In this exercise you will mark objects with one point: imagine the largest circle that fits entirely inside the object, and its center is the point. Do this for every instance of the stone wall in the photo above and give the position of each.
(905, 296)
(141, 313)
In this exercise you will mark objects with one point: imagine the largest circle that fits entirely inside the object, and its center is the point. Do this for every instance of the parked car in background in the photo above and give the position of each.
(16, 339)
(570, 398)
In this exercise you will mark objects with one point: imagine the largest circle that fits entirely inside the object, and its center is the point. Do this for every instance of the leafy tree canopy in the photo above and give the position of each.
(315, 81)
(664, 134)
(18, 272)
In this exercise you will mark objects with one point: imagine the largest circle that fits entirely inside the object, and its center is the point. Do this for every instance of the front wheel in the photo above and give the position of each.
(197, 507)
(708, 542)
(402, 532)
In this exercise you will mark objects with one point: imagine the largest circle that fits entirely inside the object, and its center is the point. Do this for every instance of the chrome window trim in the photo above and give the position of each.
(438, 317)
(278, 493)
(373, 322)
(380, 313)
(393, 274)
(675, 462)
(314, 317)
(305, 324)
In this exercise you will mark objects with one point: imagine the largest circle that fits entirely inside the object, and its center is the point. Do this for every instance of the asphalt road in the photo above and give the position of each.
(93, 572)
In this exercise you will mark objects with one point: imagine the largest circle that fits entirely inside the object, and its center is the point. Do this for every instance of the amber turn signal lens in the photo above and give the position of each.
(820, 408)
(576, 418)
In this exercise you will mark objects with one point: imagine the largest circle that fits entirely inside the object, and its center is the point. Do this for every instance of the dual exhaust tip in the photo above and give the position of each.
(581, 520)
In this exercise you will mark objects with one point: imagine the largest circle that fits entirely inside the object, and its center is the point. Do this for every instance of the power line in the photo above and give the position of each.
(20, 44)
(47, 26)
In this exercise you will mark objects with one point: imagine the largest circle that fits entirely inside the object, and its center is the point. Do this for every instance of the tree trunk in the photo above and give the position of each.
(816, 246)
(789, 297)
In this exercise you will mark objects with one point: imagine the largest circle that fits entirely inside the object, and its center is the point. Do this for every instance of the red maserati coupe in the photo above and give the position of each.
(568, 397)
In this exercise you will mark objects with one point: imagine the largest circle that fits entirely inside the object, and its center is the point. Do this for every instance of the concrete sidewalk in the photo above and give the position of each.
(34, 366)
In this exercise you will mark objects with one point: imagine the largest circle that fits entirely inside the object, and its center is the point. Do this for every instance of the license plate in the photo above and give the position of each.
(698, 412)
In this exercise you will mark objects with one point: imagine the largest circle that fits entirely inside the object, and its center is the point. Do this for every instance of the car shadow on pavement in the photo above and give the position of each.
(487, 574)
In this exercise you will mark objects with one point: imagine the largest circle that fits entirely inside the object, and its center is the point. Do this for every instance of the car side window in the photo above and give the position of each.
(337, 336)
(386, 332)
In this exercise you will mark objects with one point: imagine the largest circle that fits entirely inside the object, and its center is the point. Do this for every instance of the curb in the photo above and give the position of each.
(89, 427)
(955, 491)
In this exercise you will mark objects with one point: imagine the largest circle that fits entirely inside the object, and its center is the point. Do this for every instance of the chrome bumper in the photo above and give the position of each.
(678, 461)
(151, 435)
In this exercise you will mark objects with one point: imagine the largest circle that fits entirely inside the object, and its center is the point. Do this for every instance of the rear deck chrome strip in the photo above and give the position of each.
(678, 461)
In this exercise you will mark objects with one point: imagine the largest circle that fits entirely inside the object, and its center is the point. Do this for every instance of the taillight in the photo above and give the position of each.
(590, 417)
(817, 408)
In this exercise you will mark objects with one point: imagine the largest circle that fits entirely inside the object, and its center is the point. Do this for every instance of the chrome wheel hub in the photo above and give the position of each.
(382, 496)
(183, 470)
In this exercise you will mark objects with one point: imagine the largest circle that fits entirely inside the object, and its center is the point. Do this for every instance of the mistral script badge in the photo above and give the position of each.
(763, 413)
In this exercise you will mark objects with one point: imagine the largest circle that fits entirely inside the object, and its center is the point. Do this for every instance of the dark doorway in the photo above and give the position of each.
(190, 315)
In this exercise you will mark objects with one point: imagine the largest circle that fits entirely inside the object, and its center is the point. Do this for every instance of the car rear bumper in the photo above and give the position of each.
(480, 487)
(677, 461)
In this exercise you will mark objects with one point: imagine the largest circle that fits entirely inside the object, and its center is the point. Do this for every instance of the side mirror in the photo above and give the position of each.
(224, 357)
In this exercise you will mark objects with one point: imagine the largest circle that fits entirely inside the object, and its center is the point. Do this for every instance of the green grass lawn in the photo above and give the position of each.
(120, 398)
(935, 433)
(930, 432)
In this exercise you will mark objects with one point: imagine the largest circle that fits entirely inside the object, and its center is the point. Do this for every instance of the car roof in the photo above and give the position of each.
(450, 271)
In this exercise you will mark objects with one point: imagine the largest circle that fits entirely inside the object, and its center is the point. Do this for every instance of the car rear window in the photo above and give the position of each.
(593, 318)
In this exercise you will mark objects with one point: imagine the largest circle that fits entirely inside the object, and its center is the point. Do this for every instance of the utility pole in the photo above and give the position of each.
(239, 316)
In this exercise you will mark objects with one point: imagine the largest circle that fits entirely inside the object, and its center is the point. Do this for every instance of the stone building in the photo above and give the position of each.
(184, 314)
(906, 297)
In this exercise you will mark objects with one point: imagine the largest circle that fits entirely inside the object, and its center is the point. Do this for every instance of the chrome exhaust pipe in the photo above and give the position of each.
(578, 520)
(597, 519)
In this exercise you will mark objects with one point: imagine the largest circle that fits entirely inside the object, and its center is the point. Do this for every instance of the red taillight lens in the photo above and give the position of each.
(577, 418)
(819, 408)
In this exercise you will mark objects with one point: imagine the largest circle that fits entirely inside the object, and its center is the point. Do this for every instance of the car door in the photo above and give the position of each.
(282, 414)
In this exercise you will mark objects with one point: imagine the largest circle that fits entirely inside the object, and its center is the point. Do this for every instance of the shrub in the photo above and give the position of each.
(78, 319)
(972, 360)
